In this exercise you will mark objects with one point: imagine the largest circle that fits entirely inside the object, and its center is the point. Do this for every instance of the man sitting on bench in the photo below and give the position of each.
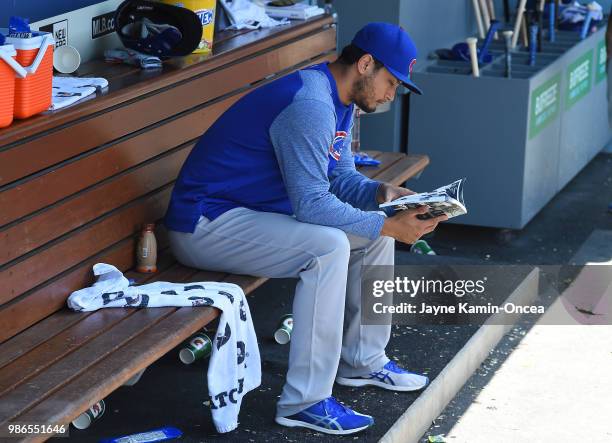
(271, 190)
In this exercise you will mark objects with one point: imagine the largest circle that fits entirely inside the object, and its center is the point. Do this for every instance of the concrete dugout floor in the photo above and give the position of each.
(172, 394)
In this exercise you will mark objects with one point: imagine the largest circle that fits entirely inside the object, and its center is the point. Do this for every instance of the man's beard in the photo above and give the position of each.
(362, 91)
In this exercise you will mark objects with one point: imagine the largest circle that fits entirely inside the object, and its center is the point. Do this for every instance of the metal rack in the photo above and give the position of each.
(517, 140)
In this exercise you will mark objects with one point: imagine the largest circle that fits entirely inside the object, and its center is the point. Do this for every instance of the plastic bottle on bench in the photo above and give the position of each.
(146, 254)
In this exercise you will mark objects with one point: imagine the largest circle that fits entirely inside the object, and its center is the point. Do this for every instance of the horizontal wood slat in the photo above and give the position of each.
(37, 334)
(80, 346)
(52, 325)
(404, 168)
(56, 348)
(115, 123)
(50, 297)
(71, 338)
(34, 270)
(75, 212)
(70, 400)
(230, 52)
(74, 176)
(122, 363)
(386, 158)
(134, 322)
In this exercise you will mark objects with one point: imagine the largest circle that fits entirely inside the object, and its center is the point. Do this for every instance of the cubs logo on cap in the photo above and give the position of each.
(393, 47)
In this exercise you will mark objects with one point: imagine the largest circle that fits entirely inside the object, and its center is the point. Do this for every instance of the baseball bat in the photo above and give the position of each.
(517, 24)
(551, 21)
(478, 18)
(484, 49)
(492, 14)
(484, 9)
(471, 41)
(491, 9)
(508, 38)
(533, 43)
(587, 24)
(524, 35)
(540, 17)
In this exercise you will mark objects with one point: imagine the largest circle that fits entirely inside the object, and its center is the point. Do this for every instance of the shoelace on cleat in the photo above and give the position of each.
(333, 406)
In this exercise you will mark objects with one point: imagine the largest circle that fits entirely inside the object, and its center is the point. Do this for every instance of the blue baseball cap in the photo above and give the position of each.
(393, 47)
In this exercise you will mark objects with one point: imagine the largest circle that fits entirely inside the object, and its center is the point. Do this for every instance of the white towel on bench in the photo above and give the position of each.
(69, 90)
(235, 366)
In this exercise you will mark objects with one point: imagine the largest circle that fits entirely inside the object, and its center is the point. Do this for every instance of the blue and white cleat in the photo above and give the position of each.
(391, 377)
(330, 417)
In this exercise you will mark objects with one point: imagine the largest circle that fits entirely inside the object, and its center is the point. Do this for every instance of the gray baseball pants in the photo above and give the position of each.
(328, 336)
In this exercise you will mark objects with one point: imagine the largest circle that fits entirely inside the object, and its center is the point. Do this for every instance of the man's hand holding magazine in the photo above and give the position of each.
(405, 226)
(419, 214)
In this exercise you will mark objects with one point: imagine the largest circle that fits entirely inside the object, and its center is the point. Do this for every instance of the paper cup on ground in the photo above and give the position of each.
(199, 346)
(66, 59)
(84, 420)
(283, 332)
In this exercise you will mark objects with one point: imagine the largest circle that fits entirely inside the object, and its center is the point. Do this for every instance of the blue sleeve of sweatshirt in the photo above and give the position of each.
(301, 135)
(351, 186)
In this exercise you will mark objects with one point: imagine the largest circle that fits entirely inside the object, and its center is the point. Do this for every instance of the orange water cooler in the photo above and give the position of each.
(9, 69)
(33, 92)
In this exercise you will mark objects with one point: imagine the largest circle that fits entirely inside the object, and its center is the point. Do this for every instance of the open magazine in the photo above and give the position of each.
(445, 200)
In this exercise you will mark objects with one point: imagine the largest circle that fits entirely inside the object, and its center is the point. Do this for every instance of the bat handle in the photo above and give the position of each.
(540, 16)
(525, 31)
(484, 10)
(517, 24)
(492, 15)
(587, 24)
(533, 44)
(478, 17)
(491, 9)
(508, 38)
(551, 21)
(471, 42)
(487, 42)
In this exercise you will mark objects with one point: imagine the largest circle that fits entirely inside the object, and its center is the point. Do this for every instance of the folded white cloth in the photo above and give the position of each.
(69, 90)
(244, 14)
(235, 366)
(80, 82)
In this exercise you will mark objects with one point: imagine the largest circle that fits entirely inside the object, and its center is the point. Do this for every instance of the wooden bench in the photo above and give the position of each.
(76, 185)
